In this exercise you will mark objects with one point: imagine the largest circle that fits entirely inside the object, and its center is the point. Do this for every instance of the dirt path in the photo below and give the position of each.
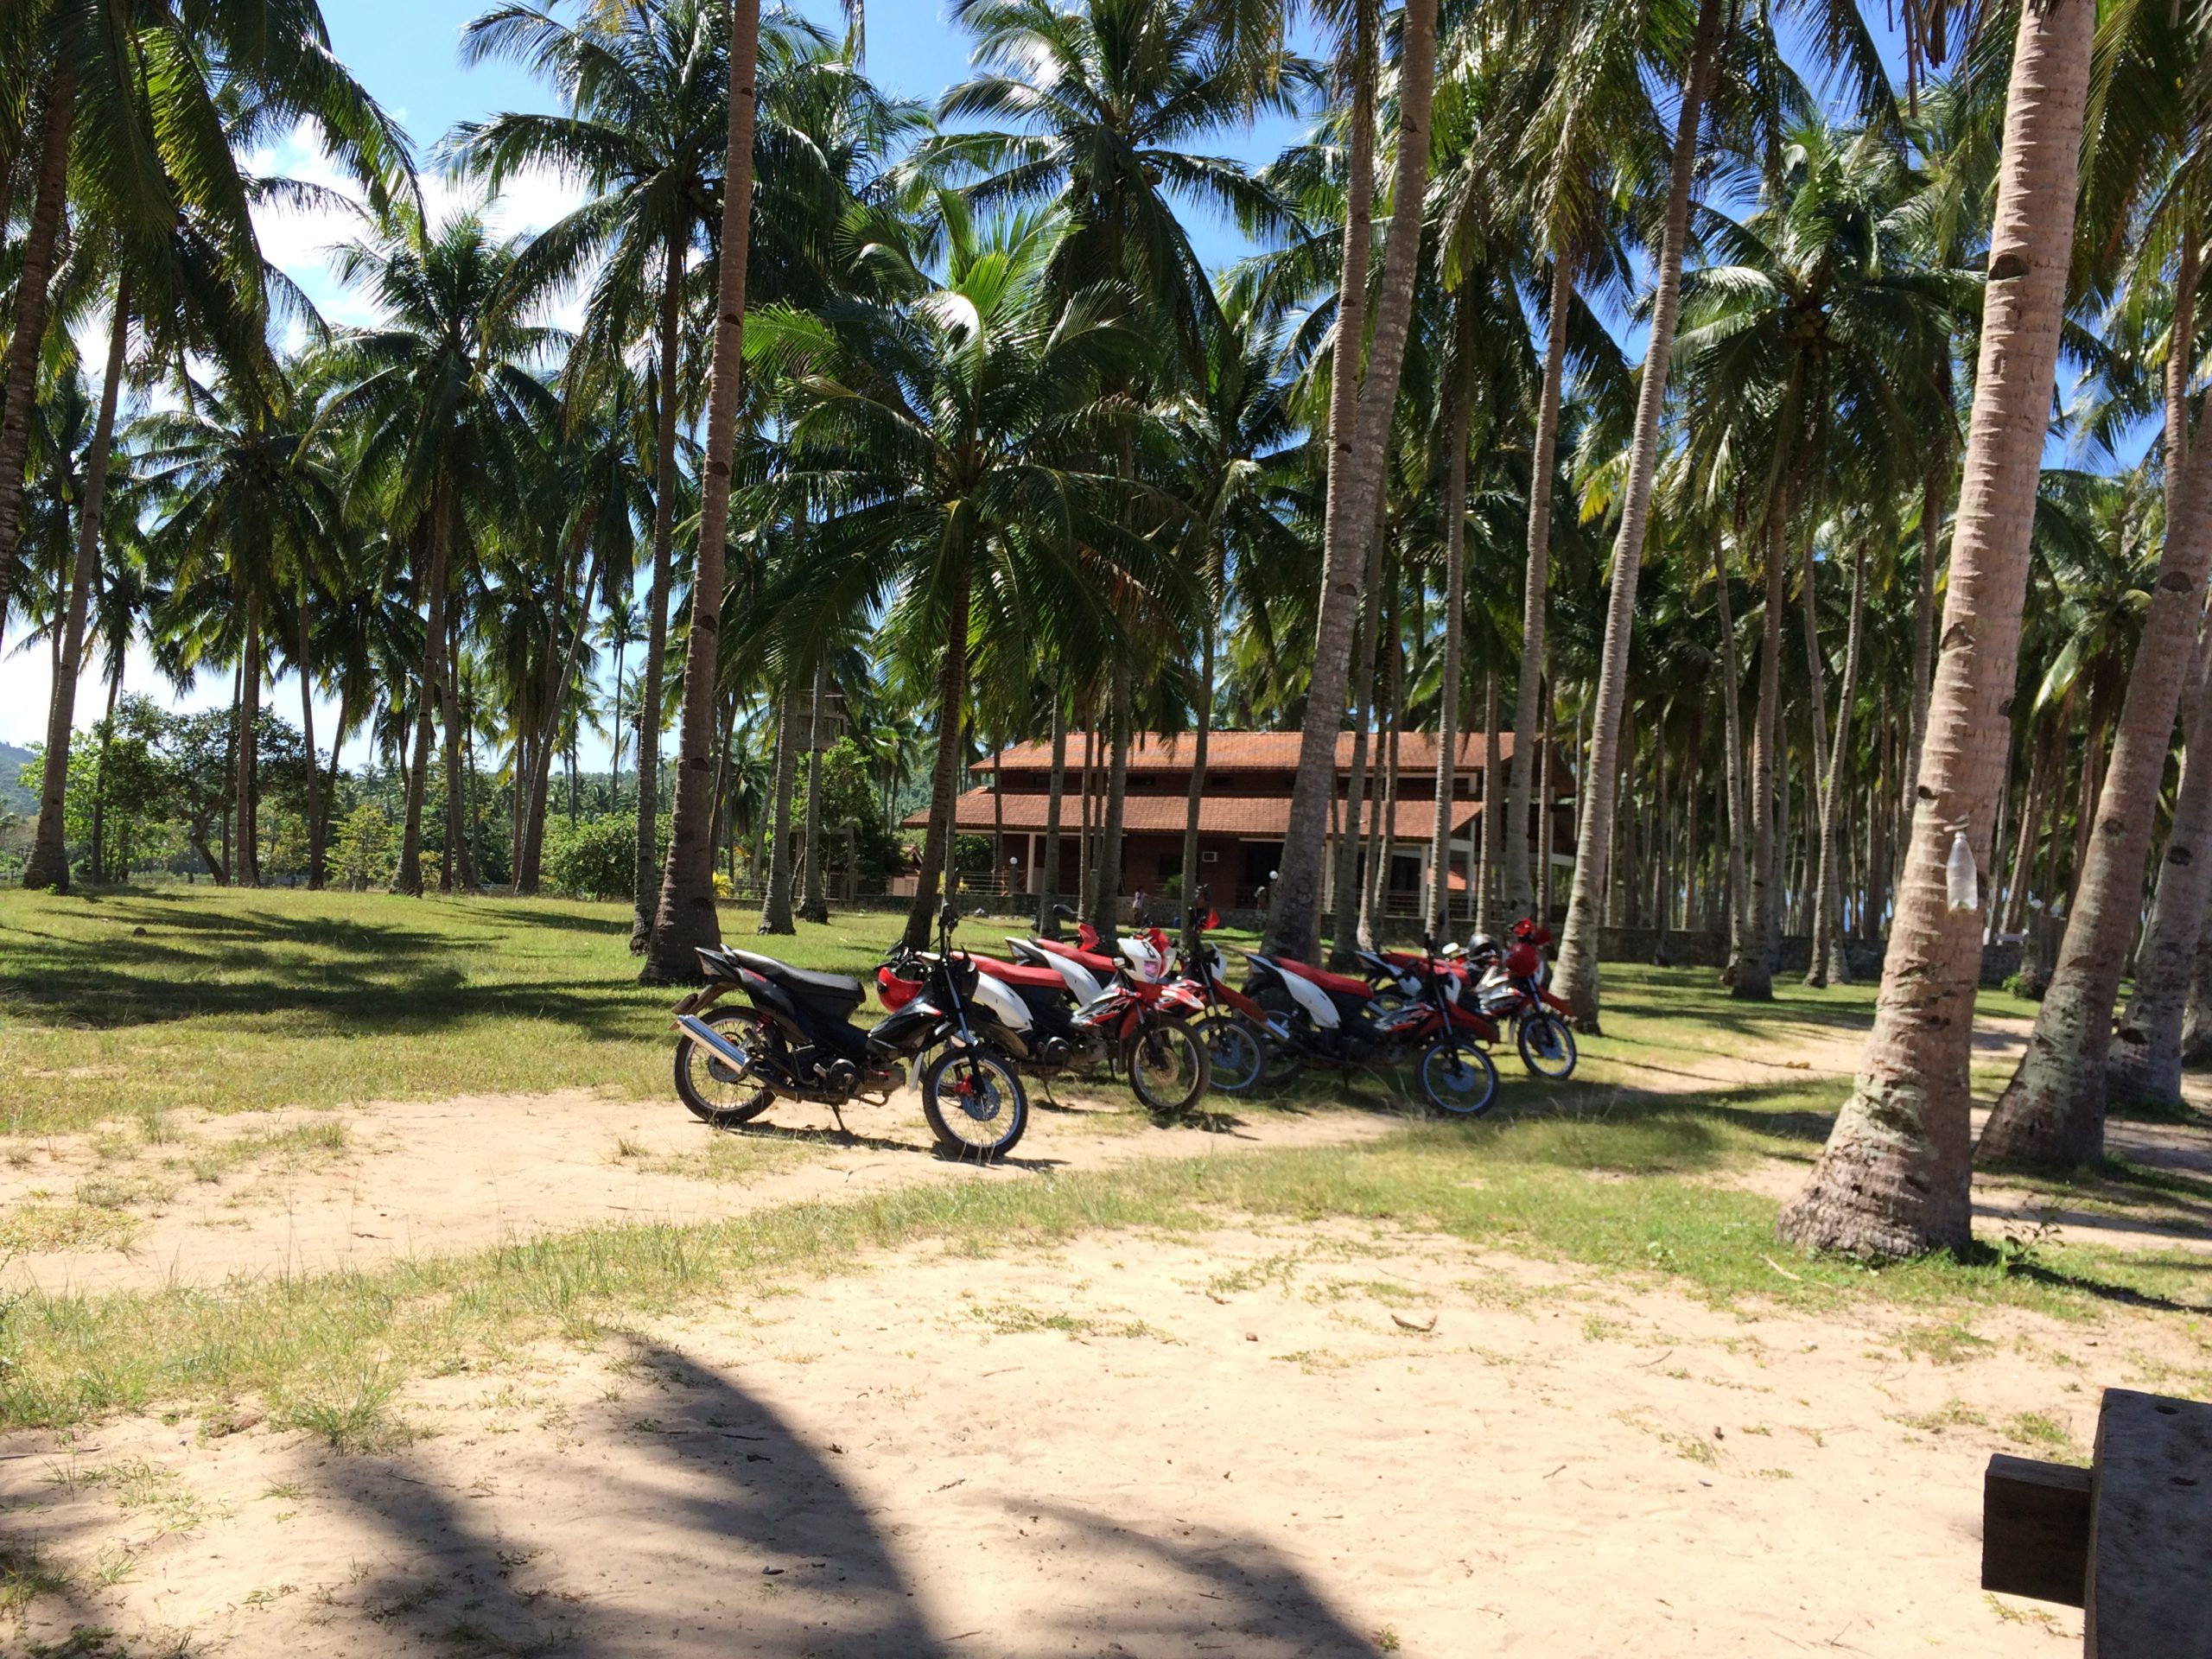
(1308, 1442)
(261, 1194)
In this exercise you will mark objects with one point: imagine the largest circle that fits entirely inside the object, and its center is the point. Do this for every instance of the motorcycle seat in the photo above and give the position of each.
(833, 987)
(1089, 959)
(1016, 973)
(1342, 984)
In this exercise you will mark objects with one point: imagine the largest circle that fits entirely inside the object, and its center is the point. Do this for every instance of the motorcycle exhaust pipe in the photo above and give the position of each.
(715, 1044)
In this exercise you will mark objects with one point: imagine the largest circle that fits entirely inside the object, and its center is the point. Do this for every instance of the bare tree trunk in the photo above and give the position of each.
(684, 920)
(1384, 840)
(119, 657)
(1355, 463)
(48, 865)
(559, 672)
(318, 809)
(1536, 590)
(776, 896)
(2040, 758)
(1895, 1177)
(1576, 976)
(1544, 811)
(1086, 889)
(1048, 880)
(26, 338)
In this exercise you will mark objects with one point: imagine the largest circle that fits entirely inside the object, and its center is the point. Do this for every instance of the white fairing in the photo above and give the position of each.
(1146, 963)
(1005, 1007)
(1313, 1000)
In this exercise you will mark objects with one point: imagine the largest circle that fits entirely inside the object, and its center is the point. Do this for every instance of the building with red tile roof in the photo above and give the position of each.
(1243, 815)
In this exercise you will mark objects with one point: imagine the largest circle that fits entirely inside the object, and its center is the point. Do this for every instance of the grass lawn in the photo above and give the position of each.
(133, 1003)
(121, 1003)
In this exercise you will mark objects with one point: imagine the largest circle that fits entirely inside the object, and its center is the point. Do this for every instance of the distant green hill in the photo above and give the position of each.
(14, 798)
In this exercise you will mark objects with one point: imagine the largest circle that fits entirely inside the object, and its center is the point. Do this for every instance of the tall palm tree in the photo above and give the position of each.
(442, 405)
(1360, 418)
(1895, 1177)
(959, 436)
(1578, 954)
(140, 120)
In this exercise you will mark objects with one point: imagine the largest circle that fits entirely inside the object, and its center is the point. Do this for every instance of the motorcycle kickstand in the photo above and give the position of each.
(840, 1117)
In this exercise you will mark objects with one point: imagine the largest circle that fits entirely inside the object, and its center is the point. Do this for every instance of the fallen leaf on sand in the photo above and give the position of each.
(1417, 1329)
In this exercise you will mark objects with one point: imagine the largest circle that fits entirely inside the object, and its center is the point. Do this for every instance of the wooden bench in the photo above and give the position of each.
(2128, 1540)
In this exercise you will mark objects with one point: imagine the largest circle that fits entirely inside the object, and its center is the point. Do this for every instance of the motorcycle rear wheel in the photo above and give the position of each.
(710, 1085)
(1169, 1068)
(1458, 1078)
(975, 1104)
(1236, 1052)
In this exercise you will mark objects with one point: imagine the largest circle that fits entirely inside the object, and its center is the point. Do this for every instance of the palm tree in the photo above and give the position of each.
(1577, 955)
(440, 403)
(140, 146)
(957, 434)
(1895, 1177)
(1361, 406)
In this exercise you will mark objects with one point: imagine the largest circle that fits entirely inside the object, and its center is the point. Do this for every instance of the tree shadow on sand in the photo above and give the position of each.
(715, 1527)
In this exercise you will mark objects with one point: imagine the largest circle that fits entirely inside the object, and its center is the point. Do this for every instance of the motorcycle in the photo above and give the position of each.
(1335, 1019)
(1084, 1008)
(1514, 991)
(797, 1040)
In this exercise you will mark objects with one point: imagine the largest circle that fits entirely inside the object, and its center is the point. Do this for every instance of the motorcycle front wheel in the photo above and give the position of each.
(710, 1084)
(1547, 1045)
(1458, 1078)
(975, 1104)
(1169, 1068)
(1236, 1052)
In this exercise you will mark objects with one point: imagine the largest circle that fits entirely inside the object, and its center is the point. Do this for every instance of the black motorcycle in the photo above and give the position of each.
(797, 1040)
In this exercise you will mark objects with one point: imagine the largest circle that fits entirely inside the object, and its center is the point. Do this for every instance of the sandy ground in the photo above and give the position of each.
(1308, 1442)
(437, 1177)
(1294, 1441)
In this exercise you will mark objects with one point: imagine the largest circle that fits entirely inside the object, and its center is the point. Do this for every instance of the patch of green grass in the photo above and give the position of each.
(1950, 1342)
(1951, 1414)
(25, 1575)
(2042, 1431)
(1013, 1320)
(227, 1000)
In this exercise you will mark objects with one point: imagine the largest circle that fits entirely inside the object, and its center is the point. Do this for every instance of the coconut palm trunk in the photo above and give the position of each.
(945, 780)
(460, 856)
(27, 337)
(48, 863)
(1732, 770)
(1535, 596)
(317, 815)
(1356, 450)
(776, 895)
(1827, 953)
(100, 869)
(408, 878)
(1117, 794)
(1577, 972)
(2145, 1062)
(2053, 1110)
(1895, 1177)
(245, 864)
(1447, 696)
(1048, 879)
(560, 673)
(684, 920)
(1193, 906)
(646, 906)
(1496, 819)
(814, 900)
(1754, 981)
(1359, 782)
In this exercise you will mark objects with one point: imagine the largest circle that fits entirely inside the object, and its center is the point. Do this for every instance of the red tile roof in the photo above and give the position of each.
(1259, 817)
(1246, 752)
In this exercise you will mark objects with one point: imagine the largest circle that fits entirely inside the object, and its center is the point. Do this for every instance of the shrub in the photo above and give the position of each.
(593, 861)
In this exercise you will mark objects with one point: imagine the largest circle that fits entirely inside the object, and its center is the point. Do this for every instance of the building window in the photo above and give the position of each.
(1208, 856)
